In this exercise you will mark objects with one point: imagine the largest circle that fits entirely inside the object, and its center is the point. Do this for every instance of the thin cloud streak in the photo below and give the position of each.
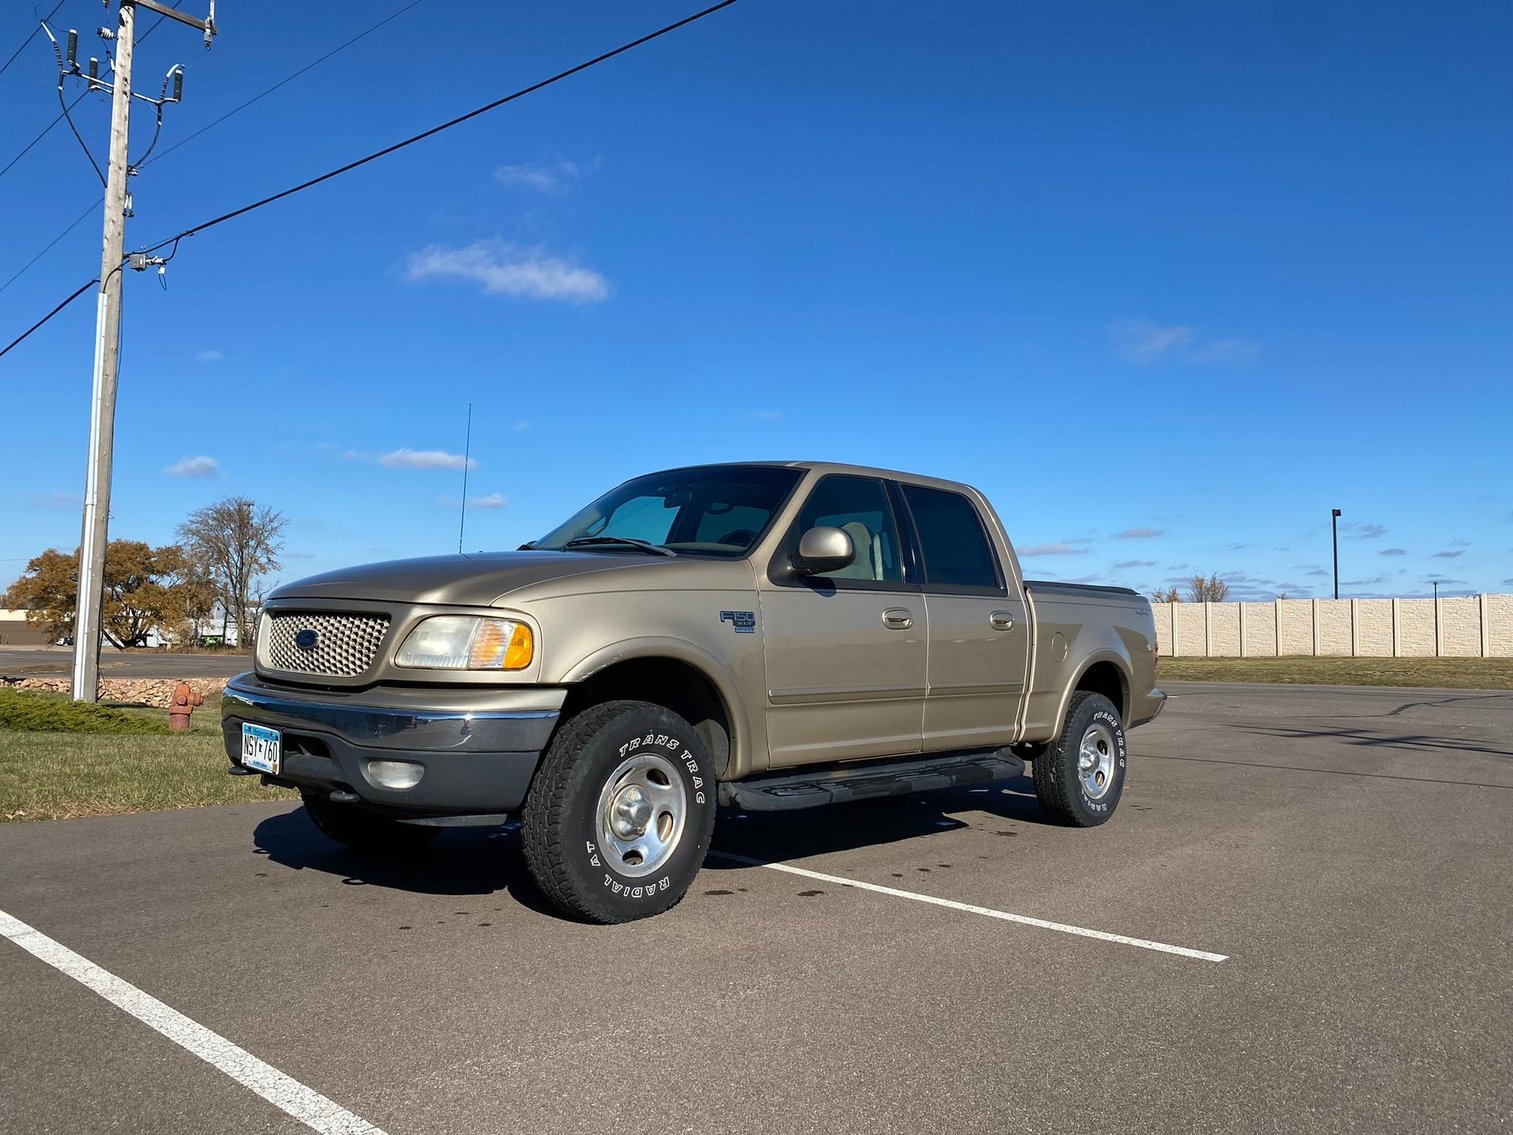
(421, 459)
(500, 268)
(194, 467)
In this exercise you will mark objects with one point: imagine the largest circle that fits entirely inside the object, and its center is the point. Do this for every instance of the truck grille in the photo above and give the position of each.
(344, 645)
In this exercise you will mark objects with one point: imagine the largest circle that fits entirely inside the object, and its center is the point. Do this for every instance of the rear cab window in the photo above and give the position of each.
(958, 558)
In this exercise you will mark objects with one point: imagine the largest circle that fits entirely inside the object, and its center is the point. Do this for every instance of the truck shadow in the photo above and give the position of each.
(776, 837)
(461, 862)
(486, 861)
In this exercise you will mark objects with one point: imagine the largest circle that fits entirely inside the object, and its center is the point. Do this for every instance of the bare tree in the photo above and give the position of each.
(235, 543)
(1170, 595)
(1210, 590)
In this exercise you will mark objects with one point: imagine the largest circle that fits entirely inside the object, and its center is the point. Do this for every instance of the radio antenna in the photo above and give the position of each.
(467, 449)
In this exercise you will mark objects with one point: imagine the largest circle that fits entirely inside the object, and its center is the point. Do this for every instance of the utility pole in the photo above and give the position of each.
(102, 416)
(102, 413)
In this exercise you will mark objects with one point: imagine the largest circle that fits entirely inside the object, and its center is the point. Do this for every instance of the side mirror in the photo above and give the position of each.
(822, 550)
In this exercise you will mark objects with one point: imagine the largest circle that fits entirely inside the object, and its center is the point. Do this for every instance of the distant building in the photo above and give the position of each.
(16, 631)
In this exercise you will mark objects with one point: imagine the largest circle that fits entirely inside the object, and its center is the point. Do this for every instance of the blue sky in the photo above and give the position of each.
(1167, 281)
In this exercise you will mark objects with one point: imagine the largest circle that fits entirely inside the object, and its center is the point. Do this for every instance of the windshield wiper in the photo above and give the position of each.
(627, 541)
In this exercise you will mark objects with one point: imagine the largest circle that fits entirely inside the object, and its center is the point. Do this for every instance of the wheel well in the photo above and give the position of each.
(1105, 678)
(682, 688)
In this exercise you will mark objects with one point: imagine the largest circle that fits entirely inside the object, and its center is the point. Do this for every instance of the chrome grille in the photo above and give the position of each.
(344, 644)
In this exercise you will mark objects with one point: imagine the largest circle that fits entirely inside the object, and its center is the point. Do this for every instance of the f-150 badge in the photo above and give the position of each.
(744, 622)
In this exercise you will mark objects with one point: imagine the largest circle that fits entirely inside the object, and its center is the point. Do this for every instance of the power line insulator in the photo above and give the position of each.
(73, 50)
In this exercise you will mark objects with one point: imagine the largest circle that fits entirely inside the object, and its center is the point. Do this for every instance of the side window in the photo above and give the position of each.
(955, 548)
(859, 507)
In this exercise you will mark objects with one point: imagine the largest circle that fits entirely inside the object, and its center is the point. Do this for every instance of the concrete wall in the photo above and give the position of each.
(1472, 626)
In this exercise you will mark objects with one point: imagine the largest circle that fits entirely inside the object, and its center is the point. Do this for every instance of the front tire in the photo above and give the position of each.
(365, 831)
(1079, 778)
(619, 816)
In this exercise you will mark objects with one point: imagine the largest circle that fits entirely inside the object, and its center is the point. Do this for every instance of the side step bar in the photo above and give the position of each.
(789, 791)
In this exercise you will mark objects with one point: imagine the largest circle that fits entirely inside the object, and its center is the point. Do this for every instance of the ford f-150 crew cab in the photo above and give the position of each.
(762, 635)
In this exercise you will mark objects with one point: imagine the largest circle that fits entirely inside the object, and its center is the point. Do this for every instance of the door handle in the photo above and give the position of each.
(898, 618)
(1001, 621)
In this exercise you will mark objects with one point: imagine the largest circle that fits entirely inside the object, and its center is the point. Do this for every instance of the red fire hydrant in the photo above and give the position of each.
(182, 705)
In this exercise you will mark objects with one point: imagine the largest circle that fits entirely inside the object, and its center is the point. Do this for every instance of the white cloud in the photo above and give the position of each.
(504, 269)
(522, 425)
(493, 500)
(211, 356)
(422, 459)
(1138, 534)
(762, 415)
(1141, 341)
(544, 177)
(194, 467)
(1051, 550)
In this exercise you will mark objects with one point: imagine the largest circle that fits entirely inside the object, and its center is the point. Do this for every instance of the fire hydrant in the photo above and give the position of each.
(182, 705)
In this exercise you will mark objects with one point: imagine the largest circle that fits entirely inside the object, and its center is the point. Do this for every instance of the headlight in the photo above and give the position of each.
(467, 642)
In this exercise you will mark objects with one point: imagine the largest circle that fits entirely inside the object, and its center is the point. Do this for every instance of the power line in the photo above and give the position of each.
(459, 120)
(17, 275)
(46, 130)
(75, 224)
(314, 181)
(288, 79)
(19, 339)
(29, 38)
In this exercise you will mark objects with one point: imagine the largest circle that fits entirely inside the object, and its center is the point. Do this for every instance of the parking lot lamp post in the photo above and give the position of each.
(1334, 525)
(1436, 618)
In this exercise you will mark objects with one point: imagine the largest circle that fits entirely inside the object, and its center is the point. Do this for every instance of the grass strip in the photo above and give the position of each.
(1425, 673)
(114, 760)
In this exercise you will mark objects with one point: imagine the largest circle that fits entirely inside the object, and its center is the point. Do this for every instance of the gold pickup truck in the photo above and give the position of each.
(761, 636)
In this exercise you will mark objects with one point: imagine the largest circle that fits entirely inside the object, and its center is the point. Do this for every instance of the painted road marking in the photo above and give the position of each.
(986, 912)
(304, 1104)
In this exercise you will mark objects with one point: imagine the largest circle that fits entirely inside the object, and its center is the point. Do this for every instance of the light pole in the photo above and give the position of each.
(1436, 618)
(1334, 525)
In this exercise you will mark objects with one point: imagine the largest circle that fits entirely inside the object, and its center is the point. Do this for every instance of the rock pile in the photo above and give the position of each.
(156, 692)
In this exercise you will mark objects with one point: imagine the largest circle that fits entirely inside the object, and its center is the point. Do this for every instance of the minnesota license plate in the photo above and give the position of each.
(262, 748)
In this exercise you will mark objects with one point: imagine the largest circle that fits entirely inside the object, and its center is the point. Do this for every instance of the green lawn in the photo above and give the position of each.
(1438, 673)
(115, 759)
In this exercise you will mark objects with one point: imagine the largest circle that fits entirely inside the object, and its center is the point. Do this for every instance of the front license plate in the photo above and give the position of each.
(262, 748)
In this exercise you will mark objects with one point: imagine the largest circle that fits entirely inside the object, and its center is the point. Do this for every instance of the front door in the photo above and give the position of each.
(845, 651)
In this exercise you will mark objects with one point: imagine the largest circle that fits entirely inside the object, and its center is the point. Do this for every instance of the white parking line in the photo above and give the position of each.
(304, 1104)
(986, 912)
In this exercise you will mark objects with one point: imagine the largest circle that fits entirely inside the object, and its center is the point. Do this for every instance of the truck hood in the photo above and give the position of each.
(479, 580)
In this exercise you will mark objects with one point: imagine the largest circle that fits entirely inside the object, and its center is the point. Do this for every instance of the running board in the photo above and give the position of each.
(791, 791)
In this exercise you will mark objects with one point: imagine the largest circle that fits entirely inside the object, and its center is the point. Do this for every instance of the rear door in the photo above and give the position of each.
(978, 629)
(846, 650)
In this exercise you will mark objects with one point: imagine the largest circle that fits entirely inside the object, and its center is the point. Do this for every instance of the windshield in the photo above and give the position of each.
(712, 510)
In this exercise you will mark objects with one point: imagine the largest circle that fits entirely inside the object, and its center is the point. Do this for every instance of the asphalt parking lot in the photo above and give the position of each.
(1346, 851)
(57, 661)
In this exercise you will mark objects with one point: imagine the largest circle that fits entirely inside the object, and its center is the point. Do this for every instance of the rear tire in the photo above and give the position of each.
(620, 813)
(1079, 778)
(365, 831)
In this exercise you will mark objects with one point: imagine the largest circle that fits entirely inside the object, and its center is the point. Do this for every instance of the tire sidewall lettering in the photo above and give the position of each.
(623, 887)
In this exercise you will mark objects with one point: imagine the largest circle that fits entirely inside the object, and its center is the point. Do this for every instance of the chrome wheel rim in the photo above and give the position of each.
(1095, 760)
(641, 813)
